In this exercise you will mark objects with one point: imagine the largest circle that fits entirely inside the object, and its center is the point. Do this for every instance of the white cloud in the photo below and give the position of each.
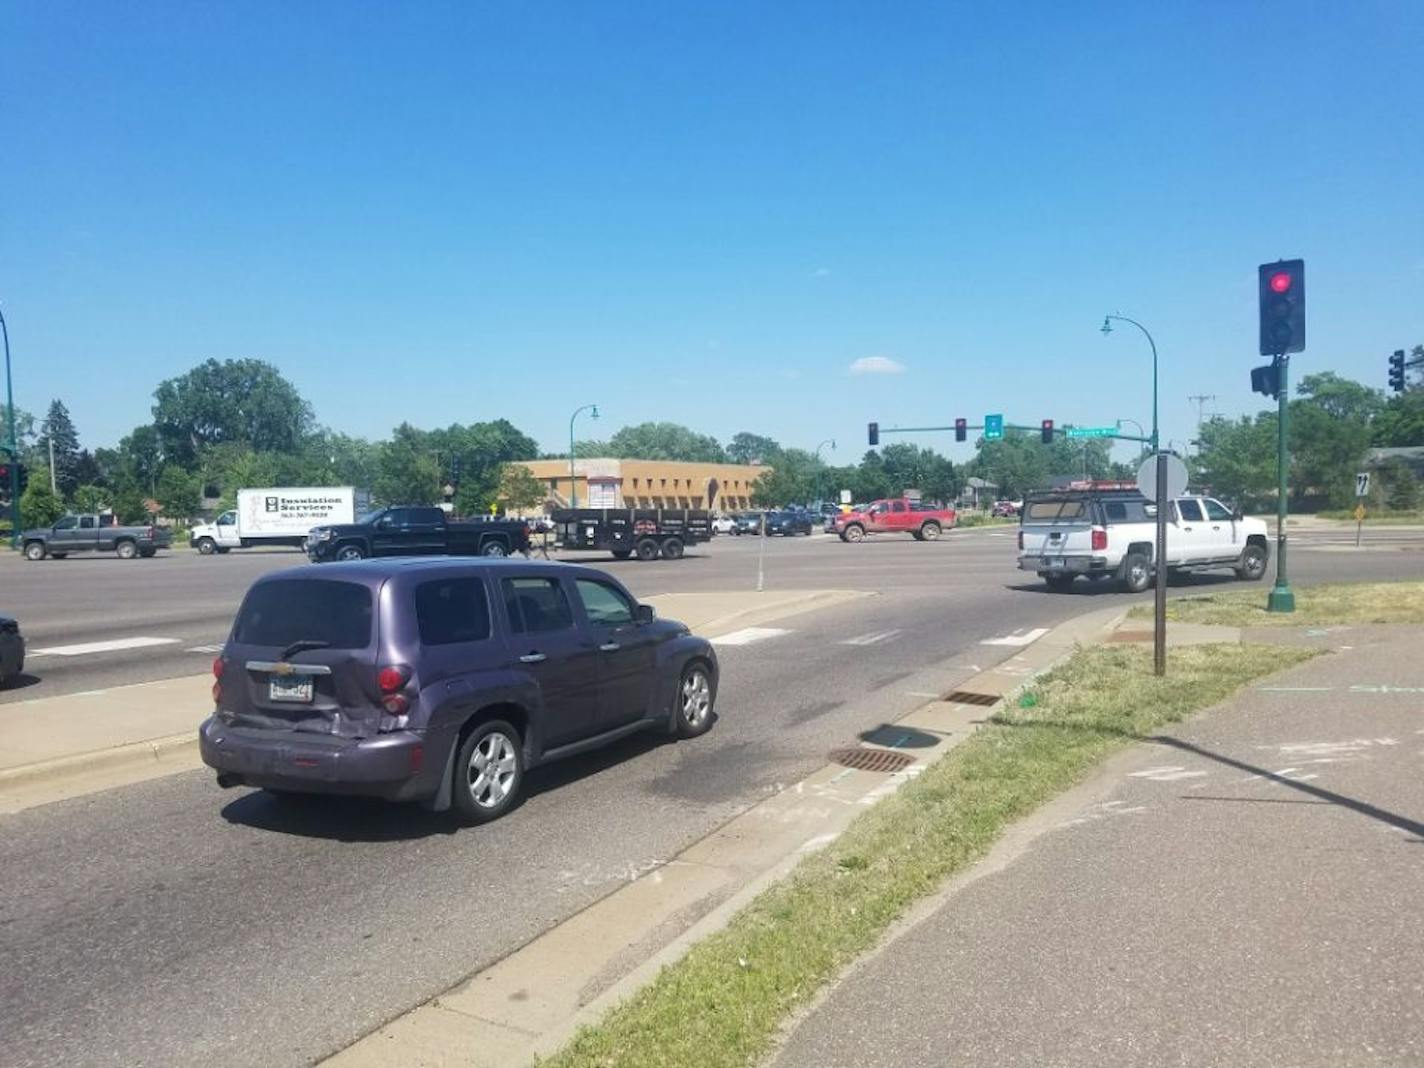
(877, 365)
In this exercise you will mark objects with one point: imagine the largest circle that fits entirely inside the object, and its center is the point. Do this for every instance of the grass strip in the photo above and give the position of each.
(1374, 517)
(1332, 604)
(723, 1004)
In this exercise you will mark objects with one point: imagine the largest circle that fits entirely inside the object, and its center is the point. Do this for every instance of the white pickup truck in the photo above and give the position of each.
(1110, 533)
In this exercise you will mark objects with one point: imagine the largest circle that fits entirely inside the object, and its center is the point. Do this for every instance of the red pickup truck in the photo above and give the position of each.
(924, 521)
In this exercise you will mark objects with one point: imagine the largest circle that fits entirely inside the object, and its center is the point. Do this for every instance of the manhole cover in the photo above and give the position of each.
(886, 760)
(965, 697)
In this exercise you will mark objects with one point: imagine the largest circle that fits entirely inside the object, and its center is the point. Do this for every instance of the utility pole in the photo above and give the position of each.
(1200, 400)
(53, 481)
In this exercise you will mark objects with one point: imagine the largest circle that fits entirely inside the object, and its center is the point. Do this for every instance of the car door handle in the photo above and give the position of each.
(533, 658)
(609, 647)
(1217, 527)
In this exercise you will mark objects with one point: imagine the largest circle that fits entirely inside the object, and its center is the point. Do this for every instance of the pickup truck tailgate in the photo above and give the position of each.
(1057, 528)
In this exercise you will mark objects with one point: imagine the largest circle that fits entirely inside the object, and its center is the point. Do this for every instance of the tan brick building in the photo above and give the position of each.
(608, 483)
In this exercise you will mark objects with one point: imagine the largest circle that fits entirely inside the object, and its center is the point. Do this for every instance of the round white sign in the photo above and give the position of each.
(1176, 476)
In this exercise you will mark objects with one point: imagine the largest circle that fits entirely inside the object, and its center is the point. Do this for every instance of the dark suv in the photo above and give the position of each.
(442, 680)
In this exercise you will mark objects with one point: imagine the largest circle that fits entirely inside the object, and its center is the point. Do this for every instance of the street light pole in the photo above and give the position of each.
(1159, 558)
(832, 443)
(14, 446)
(573, 479)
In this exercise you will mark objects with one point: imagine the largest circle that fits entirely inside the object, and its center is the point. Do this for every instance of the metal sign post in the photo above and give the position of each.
(1161, 477)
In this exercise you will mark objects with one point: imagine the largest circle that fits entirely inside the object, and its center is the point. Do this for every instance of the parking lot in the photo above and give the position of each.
(215, 922)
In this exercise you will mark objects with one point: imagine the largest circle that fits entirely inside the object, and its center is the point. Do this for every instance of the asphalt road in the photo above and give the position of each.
(170, 922)
(187, 601)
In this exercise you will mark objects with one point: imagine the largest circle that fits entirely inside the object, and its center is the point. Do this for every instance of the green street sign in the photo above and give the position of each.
(1091, 431)
(993, 427)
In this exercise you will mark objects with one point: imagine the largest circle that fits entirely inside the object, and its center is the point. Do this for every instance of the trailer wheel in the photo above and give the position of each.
(647, 549)
(672, 549)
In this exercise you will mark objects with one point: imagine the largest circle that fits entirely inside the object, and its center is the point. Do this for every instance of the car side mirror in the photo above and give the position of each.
(645, 613)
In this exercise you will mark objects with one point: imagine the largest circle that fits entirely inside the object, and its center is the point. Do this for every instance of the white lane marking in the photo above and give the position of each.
(872, 639)
(1017, 638)
(206, 649)
(747, 635)
(102, 647)
(1166, 773)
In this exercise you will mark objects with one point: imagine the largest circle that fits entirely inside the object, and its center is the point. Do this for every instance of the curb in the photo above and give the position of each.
(491, 1010)
(154, 753)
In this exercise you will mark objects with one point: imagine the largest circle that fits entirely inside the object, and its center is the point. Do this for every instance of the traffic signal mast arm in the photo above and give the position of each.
(879, 430)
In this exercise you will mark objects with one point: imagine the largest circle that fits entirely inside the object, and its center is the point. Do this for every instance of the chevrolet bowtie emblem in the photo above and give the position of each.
(282, 669)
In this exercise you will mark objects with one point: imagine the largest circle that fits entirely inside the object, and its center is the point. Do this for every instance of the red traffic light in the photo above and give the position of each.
(1280, 282)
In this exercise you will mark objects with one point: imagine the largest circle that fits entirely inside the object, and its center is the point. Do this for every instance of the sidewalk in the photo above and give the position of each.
(57, 747)
(1243, 889)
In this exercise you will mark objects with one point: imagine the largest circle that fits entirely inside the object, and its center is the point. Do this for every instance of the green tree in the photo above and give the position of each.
(406, 469)
(140, 457)
(244, 401)
(24, 429)
(748, 448)
(520, 490)
(665, 441)
(59, 442)
(1330, 434)
(89, 498)
(795, 479)
(480, 452)
(1237, 458)
(40, 506)
(1401, 422)
(179, 493)
(1401, 485)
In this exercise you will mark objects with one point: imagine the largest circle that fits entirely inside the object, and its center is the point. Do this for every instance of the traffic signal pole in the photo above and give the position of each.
(14, 445)
(1281, 598)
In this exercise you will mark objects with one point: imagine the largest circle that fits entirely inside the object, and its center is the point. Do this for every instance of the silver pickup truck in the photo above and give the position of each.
(89, 534)
(1111, 533)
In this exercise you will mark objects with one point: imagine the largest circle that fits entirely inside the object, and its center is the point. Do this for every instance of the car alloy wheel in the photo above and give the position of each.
(696, 698)
(350, 552)
(494, 548)
(492, 770)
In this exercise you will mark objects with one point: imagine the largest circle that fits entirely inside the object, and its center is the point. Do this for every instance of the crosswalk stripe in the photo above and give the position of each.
(1016, 638)
(206, 648)
(748, 635)
(872, 639)
(116, 644)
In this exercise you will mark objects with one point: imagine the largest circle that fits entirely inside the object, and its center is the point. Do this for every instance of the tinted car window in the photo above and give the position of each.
(284, 611)
(67, 523)
(452, 610)
(88, 522)
(1216, 511)
(536, 606)
(1190, 511)
(604, 605)
(425, 516)
(1128, 511)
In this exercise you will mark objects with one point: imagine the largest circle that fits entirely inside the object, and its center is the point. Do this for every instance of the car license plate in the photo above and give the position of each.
(1054, 563)
(294, 688)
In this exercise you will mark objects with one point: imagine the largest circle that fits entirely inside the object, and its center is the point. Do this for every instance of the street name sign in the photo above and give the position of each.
(1091, 431)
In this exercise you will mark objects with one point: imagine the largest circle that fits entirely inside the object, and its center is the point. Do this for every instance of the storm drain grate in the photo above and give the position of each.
(965, 697)
(886, 760)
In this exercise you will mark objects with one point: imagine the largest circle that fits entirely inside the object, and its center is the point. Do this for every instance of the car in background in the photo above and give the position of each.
(1005, 509)
(443, 680)
(725, 524)
(789, 524)
(12, 649)
(922, 520)
(749, 523)
(94, 534)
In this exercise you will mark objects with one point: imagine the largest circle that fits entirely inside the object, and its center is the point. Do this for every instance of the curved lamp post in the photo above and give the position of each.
(573, 481)
(1107, 329)
(832, 443)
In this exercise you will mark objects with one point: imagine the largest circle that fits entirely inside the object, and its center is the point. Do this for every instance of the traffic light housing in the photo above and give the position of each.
(1396, 371)
(1266, 380)
(961, 429)
(1282, 288)
(874, 434)
(1048, 431)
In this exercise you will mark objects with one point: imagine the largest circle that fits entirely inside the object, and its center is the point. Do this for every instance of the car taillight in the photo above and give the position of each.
(218, 667)
(391, 680)
(1100, 540)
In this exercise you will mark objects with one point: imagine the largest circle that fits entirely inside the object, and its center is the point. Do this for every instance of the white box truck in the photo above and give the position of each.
(279, 516)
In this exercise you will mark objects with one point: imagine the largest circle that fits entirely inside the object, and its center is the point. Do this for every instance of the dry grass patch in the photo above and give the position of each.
(1327, 605)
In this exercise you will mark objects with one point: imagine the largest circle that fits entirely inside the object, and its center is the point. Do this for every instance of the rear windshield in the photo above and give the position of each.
(1048, 511)
(284, 611)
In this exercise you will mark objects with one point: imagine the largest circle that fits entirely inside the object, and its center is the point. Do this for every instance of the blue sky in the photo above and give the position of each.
(703, 212)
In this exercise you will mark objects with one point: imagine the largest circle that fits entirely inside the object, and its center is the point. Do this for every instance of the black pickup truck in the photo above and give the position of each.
(649, 534)
(412, 531)
(92, 534)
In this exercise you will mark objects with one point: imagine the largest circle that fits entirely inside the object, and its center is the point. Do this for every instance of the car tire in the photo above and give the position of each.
(206, 546)
(673, 549)
(929, 532)
(348, 553)
(493, 548)
(1136, 572)
(476, 795)
(35, 550)
(693, 701)
(853, 532)
(1059, 583)
(622, 554)
(126, 550)
(647, 549)
(1252, 567)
